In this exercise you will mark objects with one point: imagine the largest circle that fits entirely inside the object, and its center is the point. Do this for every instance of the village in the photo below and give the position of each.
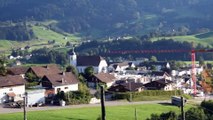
(41, 85)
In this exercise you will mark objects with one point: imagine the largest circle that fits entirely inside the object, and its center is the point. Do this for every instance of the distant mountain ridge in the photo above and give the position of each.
(102, 18)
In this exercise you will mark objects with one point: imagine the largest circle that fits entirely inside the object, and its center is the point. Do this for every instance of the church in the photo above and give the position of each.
(82, 62)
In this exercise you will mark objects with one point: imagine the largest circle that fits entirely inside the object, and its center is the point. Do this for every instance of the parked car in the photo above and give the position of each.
(17, 104)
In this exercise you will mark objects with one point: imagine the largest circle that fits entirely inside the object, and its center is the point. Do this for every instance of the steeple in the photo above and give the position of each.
(73, 57)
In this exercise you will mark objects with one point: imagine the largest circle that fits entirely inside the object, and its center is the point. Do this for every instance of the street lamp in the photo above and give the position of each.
(25, 101)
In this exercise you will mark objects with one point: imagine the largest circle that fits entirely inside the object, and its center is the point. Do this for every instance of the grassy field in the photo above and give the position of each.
(112, 113)
(43, 35)
(203, 38)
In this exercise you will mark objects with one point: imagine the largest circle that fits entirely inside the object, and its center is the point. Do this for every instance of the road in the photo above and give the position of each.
(108, 103)
(196, 100)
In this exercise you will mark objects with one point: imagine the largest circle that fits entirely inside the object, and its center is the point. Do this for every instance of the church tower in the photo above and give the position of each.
(73, 58)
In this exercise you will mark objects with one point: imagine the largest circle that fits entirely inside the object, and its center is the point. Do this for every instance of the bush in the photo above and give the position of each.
(78, 97)
(147, 93)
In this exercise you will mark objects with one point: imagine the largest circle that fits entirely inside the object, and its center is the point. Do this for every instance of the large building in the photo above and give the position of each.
(82, 62)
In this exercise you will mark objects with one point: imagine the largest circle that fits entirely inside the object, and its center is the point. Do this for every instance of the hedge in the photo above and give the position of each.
(135, 95)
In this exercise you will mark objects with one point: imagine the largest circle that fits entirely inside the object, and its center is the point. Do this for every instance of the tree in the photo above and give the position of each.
(201, 61)
(3, 70)
(164, 116)
(195, 114)
(89, 71)
(72, 69)
(153, 59)
(31, 77)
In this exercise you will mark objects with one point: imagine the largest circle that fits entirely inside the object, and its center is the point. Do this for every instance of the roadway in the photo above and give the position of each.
(196, 100)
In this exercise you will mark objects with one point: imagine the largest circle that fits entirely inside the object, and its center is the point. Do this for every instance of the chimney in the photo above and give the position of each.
(63, 73)
(63, 80)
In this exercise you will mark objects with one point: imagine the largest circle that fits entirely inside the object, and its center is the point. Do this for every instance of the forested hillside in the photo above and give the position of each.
(101, 18)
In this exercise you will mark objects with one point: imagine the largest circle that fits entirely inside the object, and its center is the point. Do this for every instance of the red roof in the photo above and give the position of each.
(65, 78)
(50, 69)
(17, 70)
(7, 81)
(105, 77)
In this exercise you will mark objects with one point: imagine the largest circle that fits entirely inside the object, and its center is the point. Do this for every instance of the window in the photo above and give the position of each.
(65, 87)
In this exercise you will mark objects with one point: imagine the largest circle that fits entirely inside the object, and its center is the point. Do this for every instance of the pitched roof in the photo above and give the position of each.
(105, 77)
(7, 81)
(159, 73)
(89, 60)
(40, 71)
(131, 86)
(163, 82)
(59, 79)
(17, 70)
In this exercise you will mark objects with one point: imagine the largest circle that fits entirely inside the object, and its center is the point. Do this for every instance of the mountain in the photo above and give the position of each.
(101, 18)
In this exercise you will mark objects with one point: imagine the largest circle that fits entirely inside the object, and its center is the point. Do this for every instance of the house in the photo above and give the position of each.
(121, 67)
(160, 65)
(127, 87)
(161, 84)
(65, 81)
(101, 78)
(157, 65)
(17, 71)
(160, 75)
(40, 71)
(12, 87)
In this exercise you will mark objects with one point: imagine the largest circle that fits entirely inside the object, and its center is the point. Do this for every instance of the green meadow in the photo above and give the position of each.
(125, 112)
(205, 39)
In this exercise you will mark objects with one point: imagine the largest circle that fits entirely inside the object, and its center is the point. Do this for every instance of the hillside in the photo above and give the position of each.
(43, 38)
(102, 18)
(205, 39)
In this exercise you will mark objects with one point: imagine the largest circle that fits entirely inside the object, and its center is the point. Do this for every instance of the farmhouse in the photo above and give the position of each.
(127, 87)
(161, 84)
(65, 81)
(11, 88)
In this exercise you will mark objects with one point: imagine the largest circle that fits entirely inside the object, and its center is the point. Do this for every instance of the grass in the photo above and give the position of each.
(151, 98)
(203, 38)
(112, 113)
(43, 36)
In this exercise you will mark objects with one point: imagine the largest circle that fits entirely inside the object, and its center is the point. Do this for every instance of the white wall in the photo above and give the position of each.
(102, 64)
(82, 68)
(67, 88)
(18, 90)
(35, 96)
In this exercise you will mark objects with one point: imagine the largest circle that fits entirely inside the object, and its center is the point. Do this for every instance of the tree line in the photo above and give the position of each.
(105, 48)
(103, 18)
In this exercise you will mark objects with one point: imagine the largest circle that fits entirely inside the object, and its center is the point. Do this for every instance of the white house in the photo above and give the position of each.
(12, 88)
(65, 81)
(121, 67)
(155, 75)
(82, 62)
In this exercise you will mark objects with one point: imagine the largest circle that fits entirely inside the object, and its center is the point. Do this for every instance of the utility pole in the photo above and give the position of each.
(136, 114)
(25, 113)
(103, 117)
(182, 111)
